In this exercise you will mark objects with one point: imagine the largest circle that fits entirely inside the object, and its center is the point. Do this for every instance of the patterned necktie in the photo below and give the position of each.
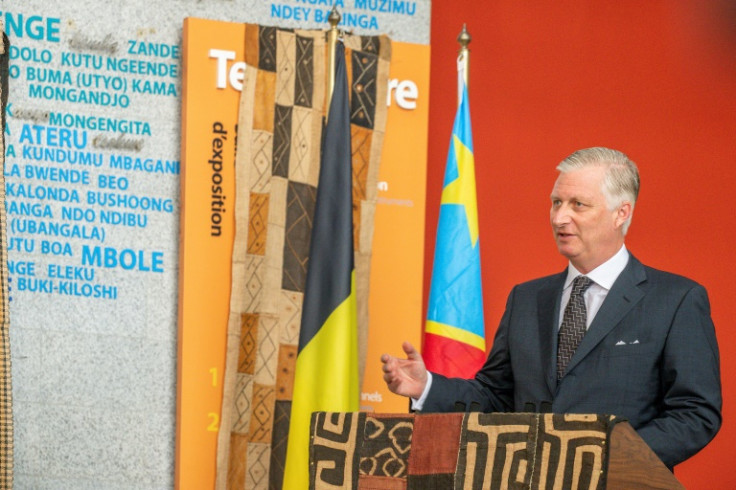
(572, 329)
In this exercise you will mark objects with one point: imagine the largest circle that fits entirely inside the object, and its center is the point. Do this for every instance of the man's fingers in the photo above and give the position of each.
(387, 366)
(410, 351)
(391, 380)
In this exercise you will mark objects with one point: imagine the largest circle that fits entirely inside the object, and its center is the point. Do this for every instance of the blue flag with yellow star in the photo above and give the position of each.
(454, 335)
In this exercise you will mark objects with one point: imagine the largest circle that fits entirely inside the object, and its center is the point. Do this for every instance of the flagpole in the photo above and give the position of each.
(464, 56)
(454, 331)
(332, 35)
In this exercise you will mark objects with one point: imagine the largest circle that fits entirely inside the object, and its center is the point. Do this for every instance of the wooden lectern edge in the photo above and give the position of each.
(632, 465)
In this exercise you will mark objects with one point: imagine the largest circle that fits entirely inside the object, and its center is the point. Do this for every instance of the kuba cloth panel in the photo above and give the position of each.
(6, 392)
(459, 450)
(282, 109)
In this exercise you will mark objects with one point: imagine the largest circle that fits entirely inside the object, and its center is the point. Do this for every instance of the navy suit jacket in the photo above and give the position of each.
(650, 355)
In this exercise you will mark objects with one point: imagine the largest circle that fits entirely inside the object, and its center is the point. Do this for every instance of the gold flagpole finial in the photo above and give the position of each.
(464, 38)
(334, 20)
(464, 54)
(334, 17)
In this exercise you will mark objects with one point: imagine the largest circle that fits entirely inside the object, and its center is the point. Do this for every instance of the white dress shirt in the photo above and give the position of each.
(603, 278)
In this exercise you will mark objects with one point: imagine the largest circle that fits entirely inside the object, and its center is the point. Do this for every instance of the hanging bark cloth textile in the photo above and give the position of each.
(282, 109)
(6, 392)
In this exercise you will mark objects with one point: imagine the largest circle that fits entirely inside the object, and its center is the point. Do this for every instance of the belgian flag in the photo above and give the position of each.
(326, 376)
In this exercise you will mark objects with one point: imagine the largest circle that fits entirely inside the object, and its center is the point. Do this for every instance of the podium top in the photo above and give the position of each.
(475, 450)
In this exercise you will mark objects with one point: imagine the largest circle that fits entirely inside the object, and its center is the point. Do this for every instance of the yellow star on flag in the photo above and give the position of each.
(462, 190)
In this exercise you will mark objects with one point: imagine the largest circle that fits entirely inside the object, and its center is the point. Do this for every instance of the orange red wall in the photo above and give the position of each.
(654, 79)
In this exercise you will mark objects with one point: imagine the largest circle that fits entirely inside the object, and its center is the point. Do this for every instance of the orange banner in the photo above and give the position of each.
(398, 244)
(212, 73)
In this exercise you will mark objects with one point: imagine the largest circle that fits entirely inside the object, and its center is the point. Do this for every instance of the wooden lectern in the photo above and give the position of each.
(474, 450)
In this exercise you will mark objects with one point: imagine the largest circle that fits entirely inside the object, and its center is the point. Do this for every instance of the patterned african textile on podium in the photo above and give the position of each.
(282, 108)
(459, 450)
(6, 392)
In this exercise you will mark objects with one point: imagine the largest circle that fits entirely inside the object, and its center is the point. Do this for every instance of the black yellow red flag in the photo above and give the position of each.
(326, 376)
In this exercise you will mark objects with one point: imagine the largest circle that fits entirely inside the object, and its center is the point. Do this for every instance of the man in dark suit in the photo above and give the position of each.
(622, 339)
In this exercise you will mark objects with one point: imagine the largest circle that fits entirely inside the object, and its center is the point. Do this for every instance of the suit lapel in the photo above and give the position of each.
(624, 294)
(548, 310)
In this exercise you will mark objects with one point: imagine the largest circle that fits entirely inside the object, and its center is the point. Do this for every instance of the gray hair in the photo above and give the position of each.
(621, 180)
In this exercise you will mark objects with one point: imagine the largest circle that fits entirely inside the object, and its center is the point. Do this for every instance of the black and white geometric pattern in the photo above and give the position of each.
(572, 329)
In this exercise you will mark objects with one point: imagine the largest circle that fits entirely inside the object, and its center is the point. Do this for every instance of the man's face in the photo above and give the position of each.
(586, 231)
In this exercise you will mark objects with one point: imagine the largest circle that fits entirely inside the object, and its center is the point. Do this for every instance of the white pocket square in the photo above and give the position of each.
(620, 342)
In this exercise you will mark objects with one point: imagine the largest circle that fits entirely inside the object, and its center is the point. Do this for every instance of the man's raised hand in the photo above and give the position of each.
(406, 377)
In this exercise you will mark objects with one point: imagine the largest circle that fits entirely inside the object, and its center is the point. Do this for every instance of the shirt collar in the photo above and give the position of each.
(605, 274)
